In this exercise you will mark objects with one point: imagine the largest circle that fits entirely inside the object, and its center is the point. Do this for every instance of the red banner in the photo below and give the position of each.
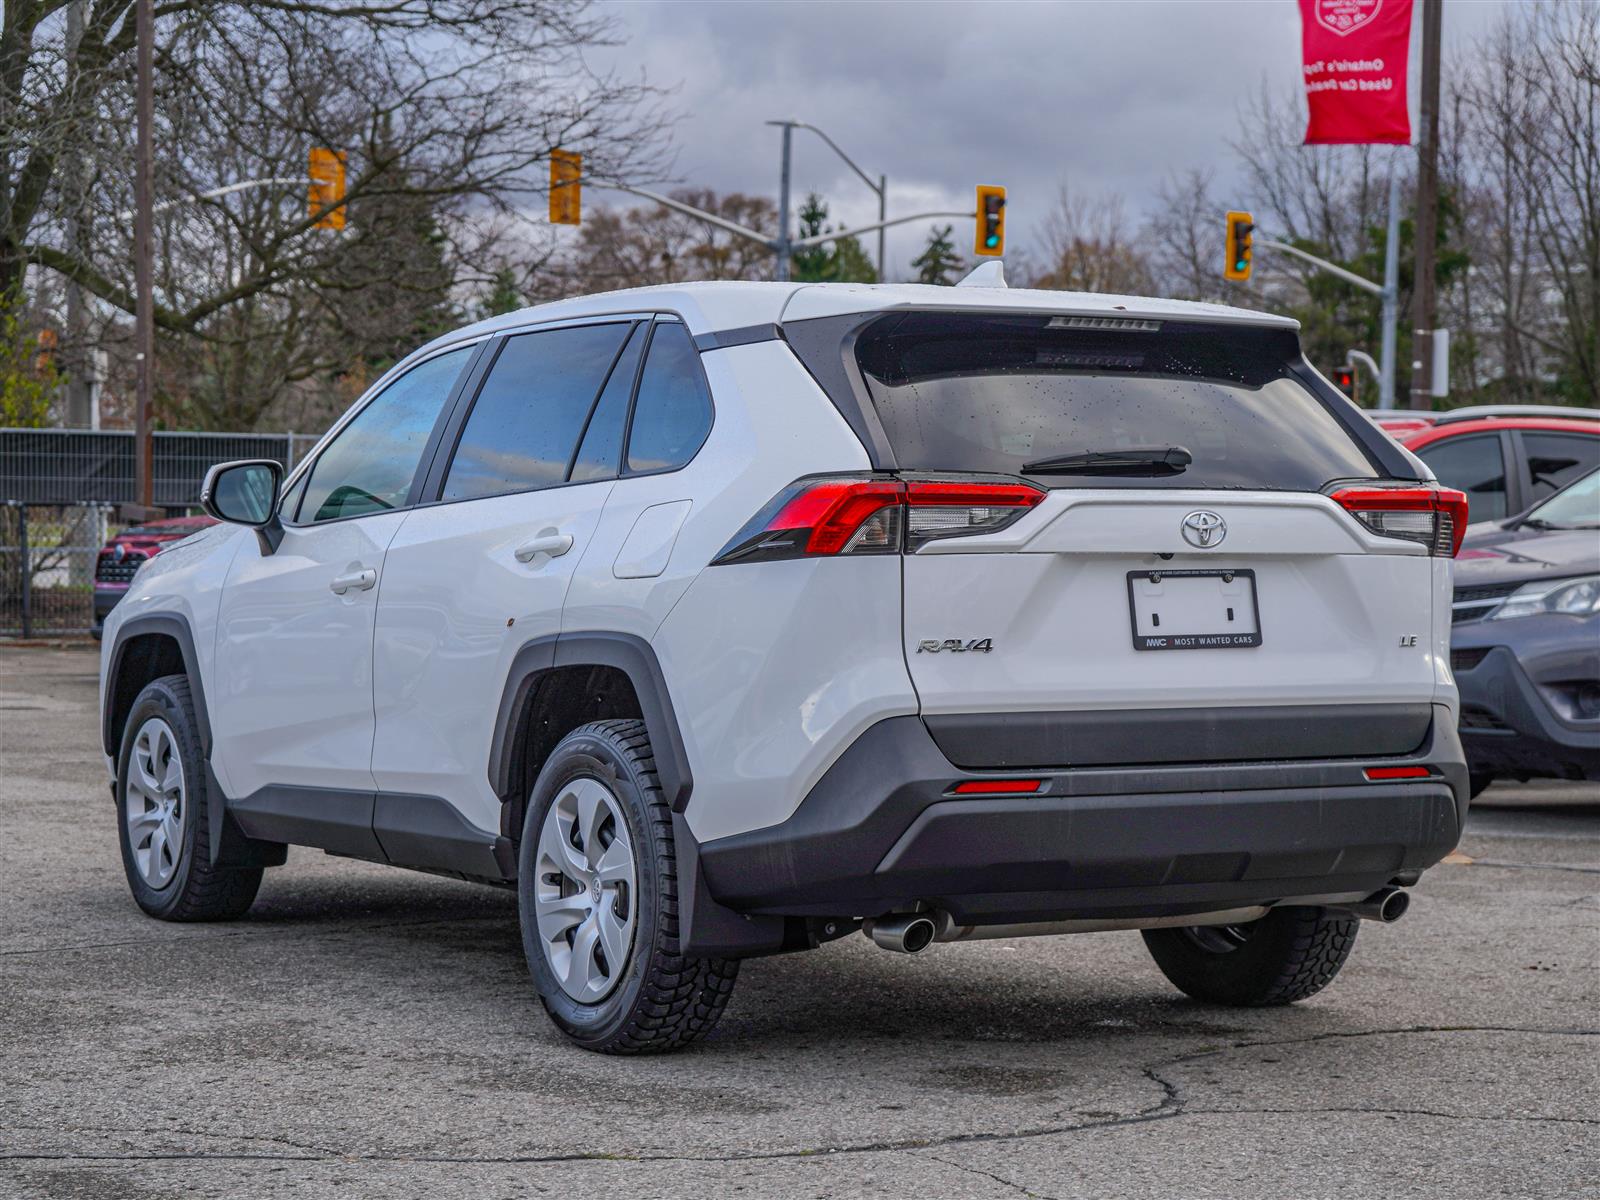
(1354, 57)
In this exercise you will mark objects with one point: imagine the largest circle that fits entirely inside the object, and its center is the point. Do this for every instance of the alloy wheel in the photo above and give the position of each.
(584, 890)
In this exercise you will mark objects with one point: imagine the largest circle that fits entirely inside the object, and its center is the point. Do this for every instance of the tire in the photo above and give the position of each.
(1477, 783)
(1287, 955)
(655, 999)
(184, 886)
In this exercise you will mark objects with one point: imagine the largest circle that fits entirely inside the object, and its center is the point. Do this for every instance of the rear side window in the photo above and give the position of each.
(995, 393)
(1556, 459)
(531, 411)
(1473, 465)
(600, 454)
(672, 412)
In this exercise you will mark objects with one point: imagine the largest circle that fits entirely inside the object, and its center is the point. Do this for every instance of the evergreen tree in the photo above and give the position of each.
(839, 261)
(504, 295)
(939, 263)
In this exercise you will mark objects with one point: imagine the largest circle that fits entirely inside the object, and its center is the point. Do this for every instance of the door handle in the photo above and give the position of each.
(360, 580)
(553, 544)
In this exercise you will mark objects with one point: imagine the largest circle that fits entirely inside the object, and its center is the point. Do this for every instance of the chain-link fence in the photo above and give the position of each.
(60, 490)
(49, 558)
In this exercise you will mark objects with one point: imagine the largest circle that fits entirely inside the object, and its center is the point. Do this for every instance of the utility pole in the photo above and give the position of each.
(79, 358)
(1425, 312)
(143, 263)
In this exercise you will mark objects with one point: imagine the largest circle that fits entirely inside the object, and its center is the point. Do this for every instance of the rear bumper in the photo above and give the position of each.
(882, 831)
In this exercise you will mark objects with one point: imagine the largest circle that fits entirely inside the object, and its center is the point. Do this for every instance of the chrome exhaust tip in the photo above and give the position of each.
(1386, 905)
(904, 933)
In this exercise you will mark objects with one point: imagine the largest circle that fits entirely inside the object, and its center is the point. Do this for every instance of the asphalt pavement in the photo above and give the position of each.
(368, 1031)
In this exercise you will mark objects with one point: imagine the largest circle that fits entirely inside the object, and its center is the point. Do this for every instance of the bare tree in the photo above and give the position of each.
(650, 244)
(1530, 105)
(446, 109)
(1090, 246)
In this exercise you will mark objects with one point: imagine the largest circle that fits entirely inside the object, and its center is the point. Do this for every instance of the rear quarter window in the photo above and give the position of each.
(994, 393)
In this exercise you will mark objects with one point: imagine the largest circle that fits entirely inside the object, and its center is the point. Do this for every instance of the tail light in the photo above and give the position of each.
(1434, 517)
(835, 515)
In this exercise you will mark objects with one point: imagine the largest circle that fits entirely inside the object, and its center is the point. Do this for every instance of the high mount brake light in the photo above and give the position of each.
(1434, 517)
(836, 515)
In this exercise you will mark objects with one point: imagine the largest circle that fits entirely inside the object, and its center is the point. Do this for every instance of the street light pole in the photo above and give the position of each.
(1391, 289)
(883, 215)
(783, 202)
(143, 262)
(881, 187)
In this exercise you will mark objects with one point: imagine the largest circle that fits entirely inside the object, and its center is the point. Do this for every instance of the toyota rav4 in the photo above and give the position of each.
(727, 619)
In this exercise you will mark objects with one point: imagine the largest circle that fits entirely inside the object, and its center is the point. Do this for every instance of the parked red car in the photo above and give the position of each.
(121, 555)
(1400, 423)
(1506, 463)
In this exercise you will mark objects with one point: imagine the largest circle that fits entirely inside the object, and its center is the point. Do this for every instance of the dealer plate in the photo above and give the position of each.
(1212, 609)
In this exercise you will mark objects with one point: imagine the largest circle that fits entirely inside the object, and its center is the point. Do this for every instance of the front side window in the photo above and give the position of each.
(1473, 465)
(672, 413)
(525, 425)
(1556, 459)
(369, 466)
(1578, 507)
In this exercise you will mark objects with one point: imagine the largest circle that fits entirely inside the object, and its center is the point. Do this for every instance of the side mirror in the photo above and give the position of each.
(246, 493)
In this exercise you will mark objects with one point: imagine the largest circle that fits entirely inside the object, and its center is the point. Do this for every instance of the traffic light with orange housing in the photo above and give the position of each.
(1240, 226)
(990, 238)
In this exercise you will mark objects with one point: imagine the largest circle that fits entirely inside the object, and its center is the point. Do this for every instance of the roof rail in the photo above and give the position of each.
(1480, 412)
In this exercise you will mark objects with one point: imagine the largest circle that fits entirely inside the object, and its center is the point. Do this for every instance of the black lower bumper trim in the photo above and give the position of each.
(881, 830)
(1006, 741)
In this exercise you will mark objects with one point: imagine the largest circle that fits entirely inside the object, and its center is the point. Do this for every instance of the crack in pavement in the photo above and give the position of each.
(1174, 1103)
(1000, 1179)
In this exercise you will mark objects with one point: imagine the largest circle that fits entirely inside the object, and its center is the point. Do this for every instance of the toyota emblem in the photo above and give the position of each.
(1204, 529)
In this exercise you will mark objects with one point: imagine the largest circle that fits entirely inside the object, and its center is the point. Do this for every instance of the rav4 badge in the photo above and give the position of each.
(981, 644)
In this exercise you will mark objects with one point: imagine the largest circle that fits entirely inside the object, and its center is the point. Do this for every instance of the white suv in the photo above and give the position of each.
(726, 619)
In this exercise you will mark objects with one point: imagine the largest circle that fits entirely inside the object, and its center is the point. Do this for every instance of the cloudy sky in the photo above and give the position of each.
(1104, 95)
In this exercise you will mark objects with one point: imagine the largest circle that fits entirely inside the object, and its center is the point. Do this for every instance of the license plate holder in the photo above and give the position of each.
(1194, 609)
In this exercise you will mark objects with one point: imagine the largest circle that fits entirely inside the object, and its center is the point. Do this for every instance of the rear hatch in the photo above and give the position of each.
(1207, 561)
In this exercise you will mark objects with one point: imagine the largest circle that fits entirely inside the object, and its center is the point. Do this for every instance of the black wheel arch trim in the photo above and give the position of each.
(175, 626)
(628, 653)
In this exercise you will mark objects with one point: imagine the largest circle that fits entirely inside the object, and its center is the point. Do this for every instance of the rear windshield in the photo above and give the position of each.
(992, 393)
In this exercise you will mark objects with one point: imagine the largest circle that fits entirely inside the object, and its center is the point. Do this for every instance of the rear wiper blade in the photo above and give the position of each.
(1132, 460)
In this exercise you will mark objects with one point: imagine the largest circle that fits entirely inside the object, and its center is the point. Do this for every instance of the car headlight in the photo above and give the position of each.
(1573, 597)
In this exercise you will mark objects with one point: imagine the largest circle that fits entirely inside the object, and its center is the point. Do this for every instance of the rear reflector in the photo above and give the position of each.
(834, 515)
(996, 786)
(1379, 773)
(1433, 517)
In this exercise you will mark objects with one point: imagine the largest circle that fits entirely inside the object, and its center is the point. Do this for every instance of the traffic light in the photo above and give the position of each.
(1240, 226)
(326, 168)
(990, 238)
(566, 196)
(1345, 380)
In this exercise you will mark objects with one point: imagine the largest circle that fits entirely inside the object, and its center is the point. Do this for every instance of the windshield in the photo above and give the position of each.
(1575, 507)
(1006, 393)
